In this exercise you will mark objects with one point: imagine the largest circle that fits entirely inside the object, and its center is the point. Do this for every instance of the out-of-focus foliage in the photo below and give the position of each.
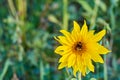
(27, 28)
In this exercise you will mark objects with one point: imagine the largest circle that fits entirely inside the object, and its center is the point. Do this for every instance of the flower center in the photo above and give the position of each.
(78, 46)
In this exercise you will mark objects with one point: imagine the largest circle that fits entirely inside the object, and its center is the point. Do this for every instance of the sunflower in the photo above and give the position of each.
(79, 47)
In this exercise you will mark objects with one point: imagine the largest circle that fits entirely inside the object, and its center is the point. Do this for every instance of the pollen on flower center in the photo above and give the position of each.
(78, 46)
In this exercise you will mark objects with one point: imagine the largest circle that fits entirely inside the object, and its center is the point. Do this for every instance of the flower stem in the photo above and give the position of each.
(79, 76)
(65, 14)
(105, 69)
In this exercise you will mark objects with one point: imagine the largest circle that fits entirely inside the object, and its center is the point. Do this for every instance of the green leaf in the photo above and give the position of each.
(103, 6)
(7, 64)
(73, 79)
(85, 5)
(53, 19)
(93, 79)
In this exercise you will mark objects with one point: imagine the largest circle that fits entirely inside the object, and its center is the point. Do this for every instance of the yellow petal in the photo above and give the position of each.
(97, 48)
(62, 50)
(64, 58)
(97, 58)
(90, 65)
(84, 63)
(76, 30)
(66, 33)
(62, 65)
(71, 60)
(68, 36)
(84, 29)
(62, 40)
(98, 36)
(83, 70)
(75, 69)
(79, 62)
(89, 36)
(102, 49)
(56, 38)
(65, 52)
(76, 27)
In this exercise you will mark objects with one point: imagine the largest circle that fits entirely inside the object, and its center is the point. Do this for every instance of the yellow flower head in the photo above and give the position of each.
(79, 48)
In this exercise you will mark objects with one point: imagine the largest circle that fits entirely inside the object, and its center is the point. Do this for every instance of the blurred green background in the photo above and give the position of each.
(27, 28)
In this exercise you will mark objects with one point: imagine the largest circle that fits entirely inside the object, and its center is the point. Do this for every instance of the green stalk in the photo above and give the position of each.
(112, 17)
(5, 69)
(65, 14)
(105, 69)
(22, 8)
(79, 76)
(12, 7)
(94, 15)
(41, 70)
(97, 70)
